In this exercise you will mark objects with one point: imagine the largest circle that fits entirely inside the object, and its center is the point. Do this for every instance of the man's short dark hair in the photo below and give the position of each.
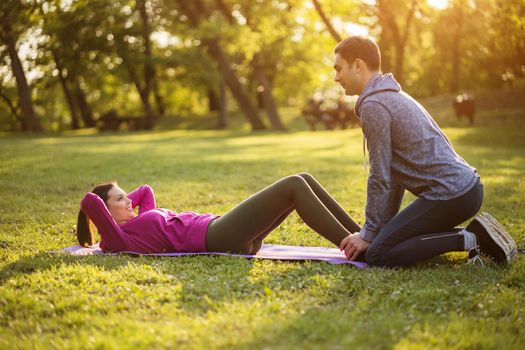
(360, 47)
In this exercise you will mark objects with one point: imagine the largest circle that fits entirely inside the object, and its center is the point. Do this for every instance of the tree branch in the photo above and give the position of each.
(409, 18)
(12, 107)
(326, 21)
(225, 10)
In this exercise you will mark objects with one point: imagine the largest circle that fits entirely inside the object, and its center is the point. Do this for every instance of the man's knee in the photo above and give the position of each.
(375, 256)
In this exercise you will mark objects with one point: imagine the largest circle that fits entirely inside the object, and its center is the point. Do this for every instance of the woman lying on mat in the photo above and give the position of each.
(241, 230)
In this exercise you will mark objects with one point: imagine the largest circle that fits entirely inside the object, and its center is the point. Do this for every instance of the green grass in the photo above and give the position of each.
(52, 301)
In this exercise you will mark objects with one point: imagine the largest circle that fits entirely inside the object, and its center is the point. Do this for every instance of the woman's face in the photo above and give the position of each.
(119, 205)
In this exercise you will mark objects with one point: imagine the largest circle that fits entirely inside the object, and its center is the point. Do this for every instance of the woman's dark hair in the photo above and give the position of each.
(84, 226)
(360, 47)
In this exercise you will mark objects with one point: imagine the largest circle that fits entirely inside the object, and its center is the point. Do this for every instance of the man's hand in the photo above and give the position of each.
(353, 245)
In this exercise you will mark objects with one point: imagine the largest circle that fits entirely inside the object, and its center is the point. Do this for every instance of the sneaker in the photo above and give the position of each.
(493, 240)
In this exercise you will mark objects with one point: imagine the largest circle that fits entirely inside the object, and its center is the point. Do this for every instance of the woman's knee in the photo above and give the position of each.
(310, 180)
(293, 182)
(307, 176)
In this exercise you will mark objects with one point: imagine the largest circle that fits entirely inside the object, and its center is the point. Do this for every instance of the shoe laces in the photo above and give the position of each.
(474, 257)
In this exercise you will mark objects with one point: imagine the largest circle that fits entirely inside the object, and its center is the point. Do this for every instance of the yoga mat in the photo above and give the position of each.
(268, 251)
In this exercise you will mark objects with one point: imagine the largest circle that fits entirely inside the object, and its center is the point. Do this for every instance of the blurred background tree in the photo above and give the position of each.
(17, 21)
(67, 63)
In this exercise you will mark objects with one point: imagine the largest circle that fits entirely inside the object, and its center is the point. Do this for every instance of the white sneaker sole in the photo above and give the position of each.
(496, 236)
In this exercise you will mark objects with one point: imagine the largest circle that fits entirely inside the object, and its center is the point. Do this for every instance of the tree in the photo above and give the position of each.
(326, 21)
(196, 13)
(506, 40)
(257, 63)
(71, 38)
(67, 89)
(14, 16)
(130, 35)
(395, 33)
(223, 109)
(12, 106)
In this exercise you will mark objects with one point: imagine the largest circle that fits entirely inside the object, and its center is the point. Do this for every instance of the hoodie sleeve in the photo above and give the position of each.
(143, 197)
(383, 195)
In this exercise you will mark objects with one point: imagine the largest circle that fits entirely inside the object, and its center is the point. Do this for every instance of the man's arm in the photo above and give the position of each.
(395, 198)
(383, 195)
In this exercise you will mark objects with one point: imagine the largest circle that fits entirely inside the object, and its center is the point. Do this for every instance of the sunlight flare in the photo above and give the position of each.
(438, 4)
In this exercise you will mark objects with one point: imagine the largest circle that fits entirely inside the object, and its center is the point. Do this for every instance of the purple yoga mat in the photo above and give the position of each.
(268, 251)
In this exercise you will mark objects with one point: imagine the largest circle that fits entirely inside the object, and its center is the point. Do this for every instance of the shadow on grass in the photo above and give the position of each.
(322, 305)
(45, 261)
(209, 268)
(380, 307)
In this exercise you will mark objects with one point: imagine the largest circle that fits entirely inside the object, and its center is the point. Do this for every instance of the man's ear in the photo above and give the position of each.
(358, 64)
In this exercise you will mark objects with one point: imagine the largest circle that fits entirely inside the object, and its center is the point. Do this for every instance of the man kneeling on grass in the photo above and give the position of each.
(408, 150)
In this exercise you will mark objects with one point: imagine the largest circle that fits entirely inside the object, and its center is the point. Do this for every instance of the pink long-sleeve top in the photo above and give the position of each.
(154, 230)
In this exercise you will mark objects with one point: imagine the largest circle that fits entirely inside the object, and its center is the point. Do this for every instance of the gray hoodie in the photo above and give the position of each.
(407, 150)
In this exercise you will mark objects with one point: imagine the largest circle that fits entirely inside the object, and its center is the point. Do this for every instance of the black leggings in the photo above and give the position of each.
(423, 230)
(242, 229)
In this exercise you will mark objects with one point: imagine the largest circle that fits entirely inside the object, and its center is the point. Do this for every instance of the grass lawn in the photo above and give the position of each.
(51, 301)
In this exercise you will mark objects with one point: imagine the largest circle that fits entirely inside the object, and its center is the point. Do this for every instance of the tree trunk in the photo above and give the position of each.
(144, 97)
(385, 43)
(388, 20)
(80, 96)
(264, 98)
(149, 70)
(75, 124)
(402, 42)
(159, 101)
(327, 22)
(15, 110)
(213, 101)
(400, 63)
(223, 114)
(268, 100)
(30, 120)
(456, 50)
(248, 108)
(68, 94)
(216, 52)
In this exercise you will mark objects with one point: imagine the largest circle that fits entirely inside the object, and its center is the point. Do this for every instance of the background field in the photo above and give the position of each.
(52, 301)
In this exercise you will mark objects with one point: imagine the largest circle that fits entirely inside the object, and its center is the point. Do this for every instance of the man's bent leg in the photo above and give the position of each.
(423, 230)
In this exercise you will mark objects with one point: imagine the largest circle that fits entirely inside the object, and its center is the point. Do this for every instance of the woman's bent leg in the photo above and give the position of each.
(256, 216)
(331, 204)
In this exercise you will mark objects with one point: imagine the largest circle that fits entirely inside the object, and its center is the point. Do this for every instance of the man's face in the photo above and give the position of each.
(347, 75)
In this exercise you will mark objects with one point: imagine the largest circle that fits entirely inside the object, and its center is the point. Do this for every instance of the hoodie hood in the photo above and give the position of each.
(378, 83)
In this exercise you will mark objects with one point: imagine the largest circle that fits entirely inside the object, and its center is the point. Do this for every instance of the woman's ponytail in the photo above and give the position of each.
(84, 230)
(85, 234)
